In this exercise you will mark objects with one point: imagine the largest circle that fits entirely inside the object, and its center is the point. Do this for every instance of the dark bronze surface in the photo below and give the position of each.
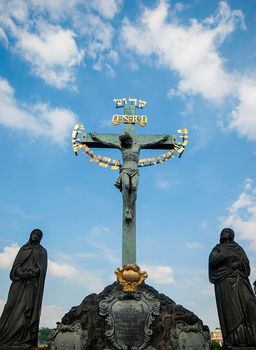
(229, 270)
(20, 318)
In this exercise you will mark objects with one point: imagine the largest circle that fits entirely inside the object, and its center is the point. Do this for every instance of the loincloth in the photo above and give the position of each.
(130, 172)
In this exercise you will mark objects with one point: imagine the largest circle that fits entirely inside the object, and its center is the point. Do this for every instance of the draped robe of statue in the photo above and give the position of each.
(19, 322)
(236, 303)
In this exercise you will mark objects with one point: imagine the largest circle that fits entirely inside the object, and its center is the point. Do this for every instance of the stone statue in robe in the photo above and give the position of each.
(229, 270)
(19, 322)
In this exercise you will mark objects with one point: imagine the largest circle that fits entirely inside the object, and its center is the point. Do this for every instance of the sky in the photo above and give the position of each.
(63, 62)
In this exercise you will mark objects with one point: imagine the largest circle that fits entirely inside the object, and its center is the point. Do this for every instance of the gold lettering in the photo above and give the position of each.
(134, 100)
(142, 103)
(126, 118)
(118, 101)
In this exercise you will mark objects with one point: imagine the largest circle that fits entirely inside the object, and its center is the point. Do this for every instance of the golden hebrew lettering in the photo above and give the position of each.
(142, 103)
(118, 101)
(134, 100)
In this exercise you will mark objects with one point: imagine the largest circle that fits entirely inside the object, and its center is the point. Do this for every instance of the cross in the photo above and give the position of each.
(130, 144)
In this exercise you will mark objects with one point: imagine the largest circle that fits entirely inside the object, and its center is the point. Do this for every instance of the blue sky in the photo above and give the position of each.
(64, 62)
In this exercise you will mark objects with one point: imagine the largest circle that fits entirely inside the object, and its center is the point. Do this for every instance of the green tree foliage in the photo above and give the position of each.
(215, 345)
(43, 335)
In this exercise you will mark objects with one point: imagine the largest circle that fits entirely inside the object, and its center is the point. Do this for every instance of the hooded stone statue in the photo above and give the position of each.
(229, 270)
(19, 322)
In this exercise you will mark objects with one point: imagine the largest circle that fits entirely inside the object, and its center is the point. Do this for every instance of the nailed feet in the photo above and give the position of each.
(128, 214)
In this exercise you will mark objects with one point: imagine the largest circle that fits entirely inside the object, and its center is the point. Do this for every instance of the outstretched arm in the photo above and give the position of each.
(103, 141)
(155, 141)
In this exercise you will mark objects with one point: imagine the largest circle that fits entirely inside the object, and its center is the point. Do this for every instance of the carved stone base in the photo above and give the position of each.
(193, 337)
(128, 318)
(117, 320)
(69, 337)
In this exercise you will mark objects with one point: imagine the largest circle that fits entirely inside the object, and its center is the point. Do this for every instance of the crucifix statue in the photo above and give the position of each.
(130, 144)
(128, 179)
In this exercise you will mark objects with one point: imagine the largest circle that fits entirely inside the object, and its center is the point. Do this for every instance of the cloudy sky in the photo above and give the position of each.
(63, 62)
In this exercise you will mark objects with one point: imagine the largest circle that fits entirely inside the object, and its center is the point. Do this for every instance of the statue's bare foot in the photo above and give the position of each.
(128, 215)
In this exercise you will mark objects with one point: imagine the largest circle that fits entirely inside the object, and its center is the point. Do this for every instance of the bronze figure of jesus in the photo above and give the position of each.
(128, 179)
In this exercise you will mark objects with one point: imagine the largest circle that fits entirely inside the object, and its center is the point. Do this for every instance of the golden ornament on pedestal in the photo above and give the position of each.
(130, 277)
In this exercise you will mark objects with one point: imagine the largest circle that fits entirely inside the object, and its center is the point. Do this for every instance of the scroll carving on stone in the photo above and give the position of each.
(66, 337)
(185, 336)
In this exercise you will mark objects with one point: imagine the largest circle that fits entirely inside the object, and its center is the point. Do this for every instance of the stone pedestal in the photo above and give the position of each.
(141, 320)
(128, 318)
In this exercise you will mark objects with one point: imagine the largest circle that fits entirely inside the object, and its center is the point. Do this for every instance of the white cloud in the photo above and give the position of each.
(106, 61)
(23, 214)
(97, 231)
(13, 12)
(242, 214)
(108, 8)
(37, 120)
(253, 272)
(159, 274)
(209, 291)
(46, 34)
(50, 315)
(51, 50)
(8, 255)
(59, 9)
(56, 10)
(163, 182)
(98, 33)
(3, 37)
(194, 245)
(190, 304)
(73, 275)
(2, 303)
(192, 51)
(66, 272)
(106, 253)
(96, 235)
(243, 116)
(52, 53)
(61, 270)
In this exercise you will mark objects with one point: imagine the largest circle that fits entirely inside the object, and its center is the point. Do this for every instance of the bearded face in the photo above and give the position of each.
(126, 141)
